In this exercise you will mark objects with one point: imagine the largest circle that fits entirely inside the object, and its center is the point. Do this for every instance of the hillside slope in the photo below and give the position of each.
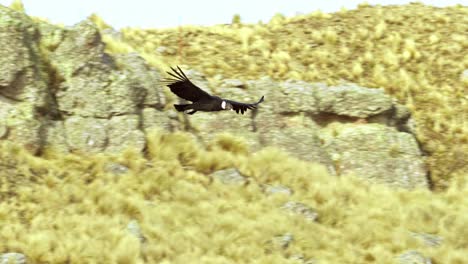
(180, 201)
(416, 53)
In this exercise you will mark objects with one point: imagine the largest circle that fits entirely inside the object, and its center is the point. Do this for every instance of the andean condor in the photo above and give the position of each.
(202, 101)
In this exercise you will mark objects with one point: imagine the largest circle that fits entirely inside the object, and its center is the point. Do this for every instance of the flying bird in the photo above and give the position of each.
(201, 100)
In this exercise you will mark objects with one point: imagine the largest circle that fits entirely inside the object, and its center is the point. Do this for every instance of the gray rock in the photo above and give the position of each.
(229, 176)
(372, 138)
(401, 112)
(123, 133)
(155, 119)
(464, 75)
(298, 96)
(297, 208)
(81, 48)
(113, 33)
(413, 257)
(263, 86)
(399, 117)
(12, 258)
(282, 242)
(93, 93)
(352, 100)
(378, 153)
(93, 86)
(236, 94)
(116, 168)
(23, 89)
(86, 134)
(208, 125)
(284, 121)
(428, 239)
(102, 98)
(55, 136)
(51, 35)
(84, 94)
(296, 134)
(134, 229)
(125, 95)
(20, 63)
(277, 189)
(146, 76)
(299, 258)
(24, 125)
(93, 135)
(268, 88)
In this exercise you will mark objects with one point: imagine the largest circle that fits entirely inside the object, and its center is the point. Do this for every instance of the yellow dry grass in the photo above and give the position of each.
(72, 209)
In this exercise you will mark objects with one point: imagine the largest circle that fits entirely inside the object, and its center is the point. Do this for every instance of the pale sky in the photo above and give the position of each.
(167, 13)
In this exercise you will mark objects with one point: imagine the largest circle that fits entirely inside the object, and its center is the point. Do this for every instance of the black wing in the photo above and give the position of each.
(241, 107)
(183, 87)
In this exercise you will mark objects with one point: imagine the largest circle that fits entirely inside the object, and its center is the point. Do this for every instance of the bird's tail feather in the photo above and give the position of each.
(181, 107)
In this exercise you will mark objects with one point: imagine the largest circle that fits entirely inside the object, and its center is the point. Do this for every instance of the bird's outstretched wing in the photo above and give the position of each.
(183, 87)
(242, 107)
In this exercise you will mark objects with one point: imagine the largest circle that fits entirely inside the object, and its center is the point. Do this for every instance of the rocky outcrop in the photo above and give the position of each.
(426, 239)
(413, 257)
(101, 98)
(12, 258)
(348, 128)
(229, 176)
(305, 211)
(134, 229)
(377, 152)
(23, 90)
(74, 97)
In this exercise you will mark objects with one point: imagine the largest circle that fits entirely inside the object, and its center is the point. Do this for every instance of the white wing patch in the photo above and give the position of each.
(223, 104)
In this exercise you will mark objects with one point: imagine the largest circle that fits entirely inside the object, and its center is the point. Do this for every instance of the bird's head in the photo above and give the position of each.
(226, 106)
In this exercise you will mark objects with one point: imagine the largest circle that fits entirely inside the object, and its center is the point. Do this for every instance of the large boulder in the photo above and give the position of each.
(92, 84)
(148, 78)
(23, 90)
(376, 152)
(73, 96)
(88, 134)
(297, 97)
(80, 48)
(106, 102)
(296, 134)
(100, 103)
(13, 258)
(348, 128)
(352, 100)
(20, 62)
